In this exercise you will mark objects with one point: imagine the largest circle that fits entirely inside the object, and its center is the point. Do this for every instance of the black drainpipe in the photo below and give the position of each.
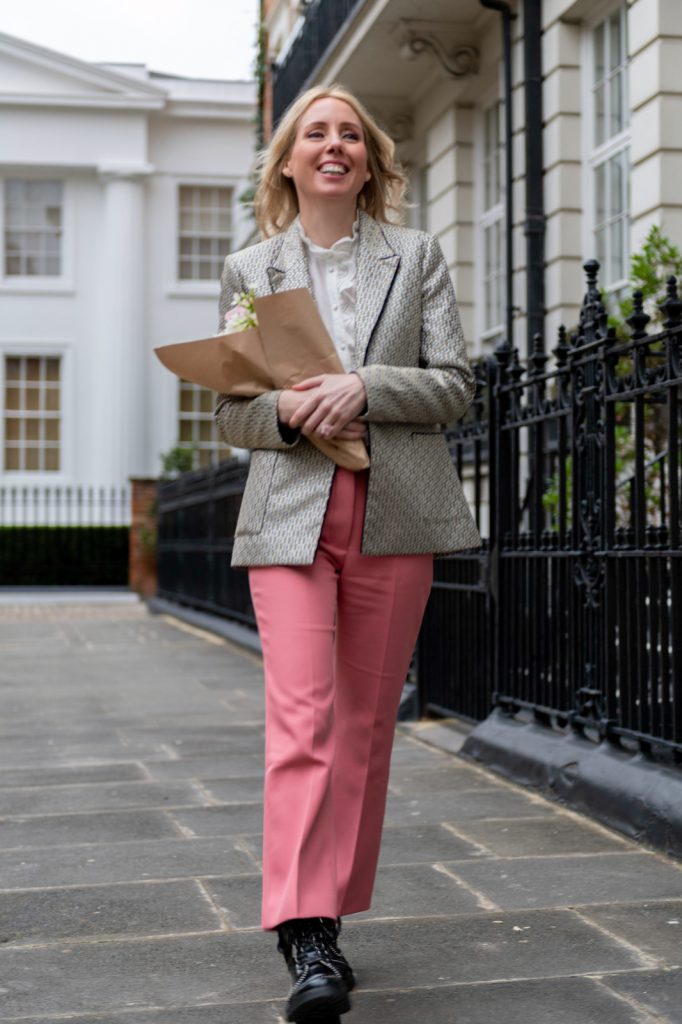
(535, 204)
(507, 15)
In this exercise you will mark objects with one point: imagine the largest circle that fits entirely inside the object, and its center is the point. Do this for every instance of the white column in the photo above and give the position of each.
(119, 365)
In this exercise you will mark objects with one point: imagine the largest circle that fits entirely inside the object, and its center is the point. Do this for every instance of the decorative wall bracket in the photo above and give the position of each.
(462, 61)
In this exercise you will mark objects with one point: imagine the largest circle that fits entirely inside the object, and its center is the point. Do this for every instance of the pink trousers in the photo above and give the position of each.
(337, 639)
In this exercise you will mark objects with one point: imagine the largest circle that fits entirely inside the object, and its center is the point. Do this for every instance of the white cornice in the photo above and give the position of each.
(80, 70)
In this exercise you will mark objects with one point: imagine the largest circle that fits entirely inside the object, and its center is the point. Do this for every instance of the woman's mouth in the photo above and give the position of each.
(333, 169)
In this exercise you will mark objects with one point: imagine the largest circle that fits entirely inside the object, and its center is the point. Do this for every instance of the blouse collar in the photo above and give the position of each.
(342, 246)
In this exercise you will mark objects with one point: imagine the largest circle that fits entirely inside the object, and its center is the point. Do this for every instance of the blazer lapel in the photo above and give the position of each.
(377, 264)
(289, 269)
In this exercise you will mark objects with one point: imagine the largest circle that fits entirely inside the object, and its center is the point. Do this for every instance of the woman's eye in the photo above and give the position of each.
(351, 135)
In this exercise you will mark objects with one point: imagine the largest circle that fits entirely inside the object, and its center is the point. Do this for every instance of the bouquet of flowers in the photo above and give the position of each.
(271, 342)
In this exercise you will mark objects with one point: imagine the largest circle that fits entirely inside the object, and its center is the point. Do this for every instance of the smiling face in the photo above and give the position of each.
(328, 160)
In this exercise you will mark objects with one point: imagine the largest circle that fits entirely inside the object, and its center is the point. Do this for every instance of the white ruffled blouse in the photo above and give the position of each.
(333, 273)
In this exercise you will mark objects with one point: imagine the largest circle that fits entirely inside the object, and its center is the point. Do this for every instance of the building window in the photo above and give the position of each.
(609, 158)
(205, 232)
(32, 413)
(197, 428)
(33, 228)
(491, 224)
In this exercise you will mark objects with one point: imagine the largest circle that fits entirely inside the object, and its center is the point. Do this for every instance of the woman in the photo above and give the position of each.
(340, 563)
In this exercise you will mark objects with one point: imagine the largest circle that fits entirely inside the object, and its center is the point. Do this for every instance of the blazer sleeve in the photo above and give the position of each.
(248, 422)
(442, 387)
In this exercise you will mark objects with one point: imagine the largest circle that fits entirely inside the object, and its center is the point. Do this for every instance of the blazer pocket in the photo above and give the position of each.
(257, 492)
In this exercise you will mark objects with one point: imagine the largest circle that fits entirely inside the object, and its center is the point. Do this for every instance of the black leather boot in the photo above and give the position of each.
(319, 989)
(333, 930)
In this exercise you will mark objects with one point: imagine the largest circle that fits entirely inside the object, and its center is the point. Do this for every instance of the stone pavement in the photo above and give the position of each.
(130, 775)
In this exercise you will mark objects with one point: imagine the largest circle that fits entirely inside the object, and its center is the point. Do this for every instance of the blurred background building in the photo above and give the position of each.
(119, 198)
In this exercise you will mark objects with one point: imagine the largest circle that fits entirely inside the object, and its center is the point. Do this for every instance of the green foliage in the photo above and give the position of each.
(649, 270)
(177, 460)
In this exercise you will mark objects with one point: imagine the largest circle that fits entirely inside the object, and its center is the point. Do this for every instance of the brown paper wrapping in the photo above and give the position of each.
(290, 344)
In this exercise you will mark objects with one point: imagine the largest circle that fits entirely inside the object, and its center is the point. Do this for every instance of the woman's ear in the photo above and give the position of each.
(286, 170)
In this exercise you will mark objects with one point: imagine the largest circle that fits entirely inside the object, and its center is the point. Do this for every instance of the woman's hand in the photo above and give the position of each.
(331, 402)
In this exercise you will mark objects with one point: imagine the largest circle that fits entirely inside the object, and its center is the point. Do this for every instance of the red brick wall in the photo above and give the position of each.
(142, 550)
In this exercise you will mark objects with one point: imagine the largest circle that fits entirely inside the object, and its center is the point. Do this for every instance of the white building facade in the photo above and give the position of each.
(611, 135)
(119, 199)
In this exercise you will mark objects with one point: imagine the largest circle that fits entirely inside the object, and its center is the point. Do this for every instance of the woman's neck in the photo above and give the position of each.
(326, 226)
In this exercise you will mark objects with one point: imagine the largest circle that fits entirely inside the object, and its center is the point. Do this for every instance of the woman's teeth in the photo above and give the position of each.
(333, 169)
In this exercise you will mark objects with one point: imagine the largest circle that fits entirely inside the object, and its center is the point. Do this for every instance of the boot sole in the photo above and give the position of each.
(317, 1007)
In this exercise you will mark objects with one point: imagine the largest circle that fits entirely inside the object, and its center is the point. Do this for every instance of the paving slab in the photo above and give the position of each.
(572, 881)
(515, 837)
(425, 844)
(488, 946)
(180, 857)
(32, 800)
(63, 775)
(218, 766)
(223, 820)
(554, 1001)
(426, 808)
(452, 779)
(655, 928)
(79, 912)
(64, 829)
(658, 991)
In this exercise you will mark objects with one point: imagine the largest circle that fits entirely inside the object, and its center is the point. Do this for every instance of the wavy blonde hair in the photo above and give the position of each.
(276, 202)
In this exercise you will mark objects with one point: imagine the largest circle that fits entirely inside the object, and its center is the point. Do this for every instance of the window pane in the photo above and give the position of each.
(31, 458)
(185, 270)
(186, 400)
(206, 400)
(206, 272)
(618, 272)
(32, 399)
(617, 104)
(600, 194)
(33, 430)
(600, 241)
(52, 369)
(33, 369)
(206, 430)
(52, 431)
(615, 41)
(51, 399)
(186, 430)
(12, 398)
(12, 429)
(12, 369)
(599, 63)
(599, 115)
(51, 456)
(12, 458)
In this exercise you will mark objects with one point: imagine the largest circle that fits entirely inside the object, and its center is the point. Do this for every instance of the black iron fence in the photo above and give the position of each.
(322, 21)
(572, 613)
(197, 519)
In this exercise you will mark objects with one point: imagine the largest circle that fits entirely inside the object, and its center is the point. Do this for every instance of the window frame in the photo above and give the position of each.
(51, 350)
(182, 287)
(40, 284)
(598, 155)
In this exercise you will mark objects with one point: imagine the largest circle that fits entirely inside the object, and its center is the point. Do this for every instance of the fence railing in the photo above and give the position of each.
(25, 505)
(322, 21)
(575, 602)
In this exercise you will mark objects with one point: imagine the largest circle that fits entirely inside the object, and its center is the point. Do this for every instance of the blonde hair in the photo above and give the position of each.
(276, 202)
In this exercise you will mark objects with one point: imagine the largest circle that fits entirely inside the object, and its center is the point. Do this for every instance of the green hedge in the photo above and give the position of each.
(63, 555)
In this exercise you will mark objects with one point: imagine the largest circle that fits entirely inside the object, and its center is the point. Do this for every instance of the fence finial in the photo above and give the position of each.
(638, 319)
(672, 304)
(562, 347)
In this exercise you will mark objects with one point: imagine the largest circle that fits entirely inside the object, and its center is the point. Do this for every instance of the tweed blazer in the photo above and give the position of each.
(410, 354)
